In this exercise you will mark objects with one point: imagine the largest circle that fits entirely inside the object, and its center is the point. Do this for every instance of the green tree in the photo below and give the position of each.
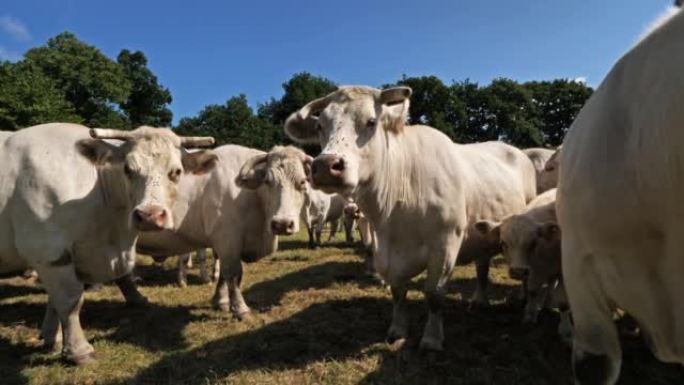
(299, 90)
(557, 103)
(147, 103)
(28, 97)
(91, 82)
(433, 104)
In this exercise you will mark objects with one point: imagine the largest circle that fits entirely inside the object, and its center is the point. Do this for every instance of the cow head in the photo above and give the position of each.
(352, 125)
(143, 172)
(530, 248)
(281, 176)
(351, 210)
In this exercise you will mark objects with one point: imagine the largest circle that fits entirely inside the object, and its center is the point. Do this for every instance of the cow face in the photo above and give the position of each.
(281, 177)
(352, 125)
(143, 172)
(531, 249)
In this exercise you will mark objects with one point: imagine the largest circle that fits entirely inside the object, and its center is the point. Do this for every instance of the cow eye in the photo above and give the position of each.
(318, 126)
(301, 184)
(370, 123)
(175, 174)
(127, 170)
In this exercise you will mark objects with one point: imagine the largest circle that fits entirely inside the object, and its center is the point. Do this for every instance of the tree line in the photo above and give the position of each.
(68, 80)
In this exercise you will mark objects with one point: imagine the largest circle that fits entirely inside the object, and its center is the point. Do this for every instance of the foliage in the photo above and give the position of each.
(28, 97)
(147, 103)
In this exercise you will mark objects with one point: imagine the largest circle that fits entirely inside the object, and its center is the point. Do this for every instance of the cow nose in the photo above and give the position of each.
(518, 273)
(328, 169)
(282, 226)
(150, 218)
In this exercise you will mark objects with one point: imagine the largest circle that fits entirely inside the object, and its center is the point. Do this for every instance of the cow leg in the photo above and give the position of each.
(221, 301)
(440, 266)
(51, 330)
(597, 355)
(482, 271)
(536, 299)
(182, 278)
(319, 230)
(399, 328)
(130, 292)
(202, 262)
(216, 268)
(65, 293)
(349, 229)
(237, 302)
(310, 230)
(333, 229)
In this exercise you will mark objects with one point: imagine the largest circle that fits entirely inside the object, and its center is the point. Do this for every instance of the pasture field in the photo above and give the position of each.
(316, 320)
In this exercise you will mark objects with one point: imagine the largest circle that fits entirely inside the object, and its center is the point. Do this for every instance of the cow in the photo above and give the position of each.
(620, 207)
(530, 243)
(547, 178)
(72, 206)
(420, 191)
(539, 158)
(321, 208)
(238, 209)
(353, 214)
(185, 262)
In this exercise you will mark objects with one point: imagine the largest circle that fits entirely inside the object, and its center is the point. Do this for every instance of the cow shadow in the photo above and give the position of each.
(9, 291)
(154, 328)
(266, 294)
(14, 358)
(154, 274)
(332, 330)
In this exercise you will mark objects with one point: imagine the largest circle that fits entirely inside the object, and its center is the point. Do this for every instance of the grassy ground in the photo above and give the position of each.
(316, 320)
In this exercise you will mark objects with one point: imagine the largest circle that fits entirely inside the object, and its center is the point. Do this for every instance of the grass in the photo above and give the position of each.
(316, 320)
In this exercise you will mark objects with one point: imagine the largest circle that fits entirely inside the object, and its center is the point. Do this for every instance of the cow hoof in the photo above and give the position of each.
(431, 345)
(83, 359)
(244, 316)
(224, 307)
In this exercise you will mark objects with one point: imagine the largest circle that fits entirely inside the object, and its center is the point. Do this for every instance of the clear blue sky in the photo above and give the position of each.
(208, 51)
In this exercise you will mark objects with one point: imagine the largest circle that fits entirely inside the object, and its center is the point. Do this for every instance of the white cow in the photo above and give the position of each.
(539, 158)
(353, 214)
(420, 191)
(71, 207)
(238, 209)
(185, 263)
(321, 208)
(620, 207)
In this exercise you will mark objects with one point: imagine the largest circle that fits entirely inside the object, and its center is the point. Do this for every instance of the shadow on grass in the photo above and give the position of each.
(267, 294)
(13, 359)
(298, 244)
(156, 328)
(9, 291)
(158, 275)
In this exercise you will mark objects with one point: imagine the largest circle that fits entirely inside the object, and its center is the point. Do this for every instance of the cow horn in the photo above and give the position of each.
(196, 141)
(109, 133)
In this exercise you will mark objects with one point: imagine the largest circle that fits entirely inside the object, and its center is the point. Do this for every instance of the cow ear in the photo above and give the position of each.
(488, 229)
(199, 162)
(253, 172)
(98, 151)
(395, 95)
(302, 126)
(549, 231)
(395, 104)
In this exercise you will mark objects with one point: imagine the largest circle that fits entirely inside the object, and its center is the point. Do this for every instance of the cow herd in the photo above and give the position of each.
(77, 204)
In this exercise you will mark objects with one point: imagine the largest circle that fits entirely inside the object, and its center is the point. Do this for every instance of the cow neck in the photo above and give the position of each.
(398, 177)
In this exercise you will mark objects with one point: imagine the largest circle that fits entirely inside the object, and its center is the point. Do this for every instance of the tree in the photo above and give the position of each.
(147, 103)
(298, 91)
(91, 82)
(432, 103)
(28, 97)
(557, 103)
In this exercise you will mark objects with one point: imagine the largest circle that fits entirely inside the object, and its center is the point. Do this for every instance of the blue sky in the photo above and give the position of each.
(208, 51)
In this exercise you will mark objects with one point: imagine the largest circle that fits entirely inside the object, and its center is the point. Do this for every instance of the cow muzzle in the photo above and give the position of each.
(282, 226)
(150, 218)
(328, 170)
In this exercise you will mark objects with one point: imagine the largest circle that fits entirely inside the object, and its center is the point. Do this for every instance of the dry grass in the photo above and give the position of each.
(316, 320)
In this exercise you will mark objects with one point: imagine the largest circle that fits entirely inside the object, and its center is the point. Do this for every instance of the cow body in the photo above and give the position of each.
(539, 158)
(240, 223)
(420, 206)
(321, 208)
(619, 207)
(71, 207)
